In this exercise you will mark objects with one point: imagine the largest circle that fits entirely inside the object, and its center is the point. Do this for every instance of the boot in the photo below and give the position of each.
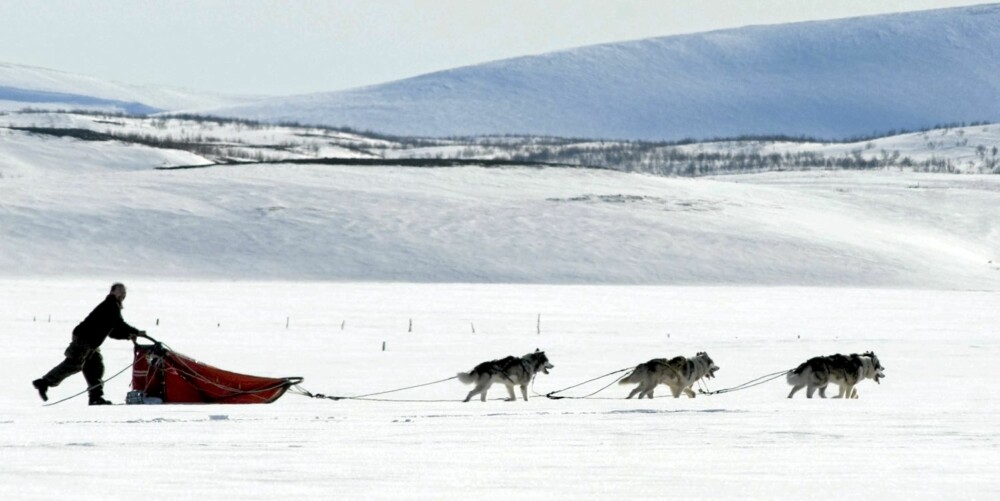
(43, 389)
(99, 400)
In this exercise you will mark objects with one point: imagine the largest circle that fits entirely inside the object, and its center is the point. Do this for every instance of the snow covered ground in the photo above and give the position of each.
(762, 271)
(966, 148)
(70, 207)
(521, 225)
(928, 431)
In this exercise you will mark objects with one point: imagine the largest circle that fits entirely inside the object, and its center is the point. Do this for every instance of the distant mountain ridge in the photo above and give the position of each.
(29, 86)
(29, 97)
(827, 79)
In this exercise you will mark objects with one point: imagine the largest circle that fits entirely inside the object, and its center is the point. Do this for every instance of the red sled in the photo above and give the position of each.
(161, 375)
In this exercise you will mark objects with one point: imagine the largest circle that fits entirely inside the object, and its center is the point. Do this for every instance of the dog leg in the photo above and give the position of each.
(689, 392)
(642, 389)
(810, 390)
(634, 392)
(795, 389)
(510, 393)
(850, 392)
(822, 391)
(676, 390)
(524, 392)
(475, 391)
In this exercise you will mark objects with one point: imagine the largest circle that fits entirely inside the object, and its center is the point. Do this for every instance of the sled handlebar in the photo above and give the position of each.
(147, 336)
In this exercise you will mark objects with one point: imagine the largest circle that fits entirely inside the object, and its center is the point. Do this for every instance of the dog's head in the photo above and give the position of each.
(878, 372)
(539, 361)
(708, 361)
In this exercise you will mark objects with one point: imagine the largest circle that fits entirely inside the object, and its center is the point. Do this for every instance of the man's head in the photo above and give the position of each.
(118, 291)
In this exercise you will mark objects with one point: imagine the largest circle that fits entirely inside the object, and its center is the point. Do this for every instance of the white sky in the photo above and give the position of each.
(289, 47)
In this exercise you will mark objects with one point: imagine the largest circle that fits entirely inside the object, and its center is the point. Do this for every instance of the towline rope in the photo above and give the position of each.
(309, 394)
(749, 384)
(552, 394)
(129, 366)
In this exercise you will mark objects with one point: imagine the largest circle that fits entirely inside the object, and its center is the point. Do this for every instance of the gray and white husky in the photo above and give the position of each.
(511, 371)
(679, 373)
(845, 371)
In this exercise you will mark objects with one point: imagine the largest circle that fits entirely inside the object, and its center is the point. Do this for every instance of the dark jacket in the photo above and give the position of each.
(105, 321)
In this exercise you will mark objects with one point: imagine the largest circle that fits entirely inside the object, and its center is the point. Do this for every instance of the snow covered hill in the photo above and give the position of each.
(829, 79)
(31, 87)
(76, 204)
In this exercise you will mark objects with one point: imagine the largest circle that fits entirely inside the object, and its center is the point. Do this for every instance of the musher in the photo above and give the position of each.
(84, 353)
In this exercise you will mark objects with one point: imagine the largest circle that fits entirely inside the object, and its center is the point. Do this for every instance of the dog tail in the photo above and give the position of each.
(794, 377)
(631, 377)
(466, 377)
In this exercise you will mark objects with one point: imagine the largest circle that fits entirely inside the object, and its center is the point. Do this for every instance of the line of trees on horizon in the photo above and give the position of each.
(739, 156)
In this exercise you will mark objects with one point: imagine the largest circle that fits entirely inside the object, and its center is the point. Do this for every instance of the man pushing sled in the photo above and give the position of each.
(84, 351)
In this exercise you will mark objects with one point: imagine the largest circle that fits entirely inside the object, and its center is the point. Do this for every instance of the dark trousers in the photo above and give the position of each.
(80, 357)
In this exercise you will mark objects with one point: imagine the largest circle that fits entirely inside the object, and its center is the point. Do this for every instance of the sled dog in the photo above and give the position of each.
(845, 371)
(511, 371)
(679, 373)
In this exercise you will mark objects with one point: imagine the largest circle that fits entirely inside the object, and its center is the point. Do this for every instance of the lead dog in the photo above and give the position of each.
(511, 371)
(845, 371)
(679, 373)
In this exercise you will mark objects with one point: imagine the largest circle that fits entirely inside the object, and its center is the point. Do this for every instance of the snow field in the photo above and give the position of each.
(512, 225)
(929, 430)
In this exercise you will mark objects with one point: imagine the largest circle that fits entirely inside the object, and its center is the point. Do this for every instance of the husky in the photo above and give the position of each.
(511, 371)
(845, 371)
(679, 373)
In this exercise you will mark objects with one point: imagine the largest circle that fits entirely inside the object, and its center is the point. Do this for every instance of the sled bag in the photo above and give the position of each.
(161, 373)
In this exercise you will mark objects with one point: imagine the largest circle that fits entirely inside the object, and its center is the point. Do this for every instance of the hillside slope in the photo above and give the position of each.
(28, 86)
(830, 79)
(524, 225)
(81, 195)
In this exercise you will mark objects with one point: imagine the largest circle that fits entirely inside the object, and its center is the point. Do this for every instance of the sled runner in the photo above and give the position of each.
(163, 375)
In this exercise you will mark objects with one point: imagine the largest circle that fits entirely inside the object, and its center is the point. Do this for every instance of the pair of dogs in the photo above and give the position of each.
(679, 374)
(845, 371)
